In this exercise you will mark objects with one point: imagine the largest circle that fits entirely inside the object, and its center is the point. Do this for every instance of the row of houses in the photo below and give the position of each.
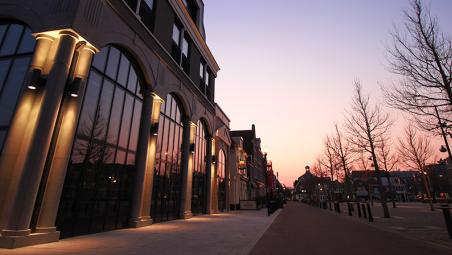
(108, 120)
(408, 185)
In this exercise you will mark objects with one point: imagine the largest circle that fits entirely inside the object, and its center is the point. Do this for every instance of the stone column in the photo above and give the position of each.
(209, 175)
(227, 178)
(141, 205)
(187, 169)
(21, 130)
(17, 228)
(63, 145)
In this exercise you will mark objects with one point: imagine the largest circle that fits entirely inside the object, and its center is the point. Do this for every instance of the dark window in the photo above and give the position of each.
(199, 190)
(147, 13)
(100, 177)
(176, 49)
(167, 175)
(16, 49)
(192, 9)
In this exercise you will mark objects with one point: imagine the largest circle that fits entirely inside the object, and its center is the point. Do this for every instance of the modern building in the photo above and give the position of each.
(107, 117)
(256, 164)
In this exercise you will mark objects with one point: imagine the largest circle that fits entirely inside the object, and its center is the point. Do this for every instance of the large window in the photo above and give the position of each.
(167, 175)
(221, 181)
(100, 177)
(180, 49)
(199, 190)
(16, 49)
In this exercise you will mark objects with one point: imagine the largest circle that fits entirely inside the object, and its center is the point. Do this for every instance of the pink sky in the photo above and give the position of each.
(288, 66)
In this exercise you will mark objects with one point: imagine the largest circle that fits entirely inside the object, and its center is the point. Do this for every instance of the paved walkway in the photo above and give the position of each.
(302, 229)
(229, 233)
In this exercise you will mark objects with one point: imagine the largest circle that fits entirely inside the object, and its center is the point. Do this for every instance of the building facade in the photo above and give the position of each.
(108, 118)
(240, 184)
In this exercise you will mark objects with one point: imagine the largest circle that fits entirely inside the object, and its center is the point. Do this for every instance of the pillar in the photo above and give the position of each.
(147, 142)
(17, 231)
(62, 146)
(210, 173)
(20, 134)
(187, 169)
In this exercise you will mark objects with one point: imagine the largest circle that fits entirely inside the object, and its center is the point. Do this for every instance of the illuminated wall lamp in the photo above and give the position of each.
(36, 81)
(214, 159)
(155, 129)
(73, 88)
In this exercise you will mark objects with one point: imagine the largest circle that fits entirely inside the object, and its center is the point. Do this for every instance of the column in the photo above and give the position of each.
(187, 169)
(64, 140)
(227, 178)
(32, 168)
(20, 134)
(147, 141)
(210, 170)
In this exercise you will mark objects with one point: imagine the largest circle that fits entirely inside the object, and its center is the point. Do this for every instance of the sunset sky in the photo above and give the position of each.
(288, 66)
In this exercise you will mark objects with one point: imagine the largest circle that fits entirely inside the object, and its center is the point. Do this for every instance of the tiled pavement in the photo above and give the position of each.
(228, 233)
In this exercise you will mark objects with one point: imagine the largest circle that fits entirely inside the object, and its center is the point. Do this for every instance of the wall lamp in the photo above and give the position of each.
(155, 129)
(73, 88)
(36, 81)
(192, 148)
(214, 159)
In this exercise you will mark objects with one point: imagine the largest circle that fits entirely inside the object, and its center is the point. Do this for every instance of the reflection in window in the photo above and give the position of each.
(167, 175)
(199, 190)
(100, 177)
(16, 49)
(221, 181)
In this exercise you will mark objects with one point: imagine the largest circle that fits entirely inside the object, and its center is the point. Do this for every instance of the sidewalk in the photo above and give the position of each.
(302, 229)
(227, 233)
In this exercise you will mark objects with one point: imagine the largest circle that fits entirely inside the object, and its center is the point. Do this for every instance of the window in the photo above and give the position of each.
(199, 190)
(167, 175)
(192, 9)
(176, 34)
(145, 12)
(16, 50)
(101, 173)
(180, 48)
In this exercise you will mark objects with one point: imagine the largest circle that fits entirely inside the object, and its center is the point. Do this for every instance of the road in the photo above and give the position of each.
(302, 229)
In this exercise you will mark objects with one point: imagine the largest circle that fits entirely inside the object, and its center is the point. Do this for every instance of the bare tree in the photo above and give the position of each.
(344, 153)
(329, 163)
(318, 168)
(422, 55)
(366, 125)
(388, 159)
(415, 150)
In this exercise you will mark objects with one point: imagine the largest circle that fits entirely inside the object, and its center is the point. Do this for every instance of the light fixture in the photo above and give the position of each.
(73, 88)
(214, 159)
(36, 81)
(192, 148)
(155, 129)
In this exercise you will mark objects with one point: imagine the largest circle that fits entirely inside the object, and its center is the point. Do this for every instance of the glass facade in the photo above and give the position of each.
(167, 173)
(16, 50)
(221, 181)
(199, 190)
(101, 173)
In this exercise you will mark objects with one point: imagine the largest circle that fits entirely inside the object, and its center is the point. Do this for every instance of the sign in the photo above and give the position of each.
(248, 205)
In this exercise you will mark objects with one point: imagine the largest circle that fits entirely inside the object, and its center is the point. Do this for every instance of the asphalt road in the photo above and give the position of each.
(301, 229)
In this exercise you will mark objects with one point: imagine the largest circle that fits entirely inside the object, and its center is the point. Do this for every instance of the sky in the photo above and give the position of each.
(288, 67)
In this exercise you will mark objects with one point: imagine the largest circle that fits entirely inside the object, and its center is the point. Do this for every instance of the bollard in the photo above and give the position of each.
(338, 207)
(359, 209)
(369, 213)
(349, 209)
(353, 207)
(363, 207)
(447, 218)
(329, 205)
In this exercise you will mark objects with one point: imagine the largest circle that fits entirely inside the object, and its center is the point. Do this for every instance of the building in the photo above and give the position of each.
(107, 117)
(256, 164)
(310, 188)
(240, 186)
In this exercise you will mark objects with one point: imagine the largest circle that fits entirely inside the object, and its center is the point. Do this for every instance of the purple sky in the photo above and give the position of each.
(288, 66)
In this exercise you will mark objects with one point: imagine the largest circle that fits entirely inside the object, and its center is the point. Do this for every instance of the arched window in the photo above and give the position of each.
(167, 175)
(221, 180)
(199, 190)
(100, 177)
(16, 50)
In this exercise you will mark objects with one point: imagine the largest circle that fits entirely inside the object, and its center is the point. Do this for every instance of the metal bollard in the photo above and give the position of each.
(363, 207)
(447, 218)
(359, 209)
(338, 207)
(329, 205)
(349, 209)
(369, 212)
(353, 207)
